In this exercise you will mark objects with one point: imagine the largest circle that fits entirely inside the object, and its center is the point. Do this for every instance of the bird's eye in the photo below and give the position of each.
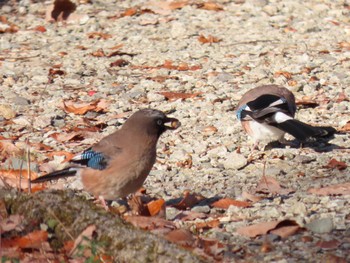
(160, 122)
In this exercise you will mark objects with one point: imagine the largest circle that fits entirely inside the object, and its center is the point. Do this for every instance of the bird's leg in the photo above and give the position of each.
(100, 199)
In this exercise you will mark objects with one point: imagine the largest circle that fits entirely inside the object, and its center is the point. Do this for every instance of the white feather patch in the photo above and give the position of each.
(280, 117)
(277, 102)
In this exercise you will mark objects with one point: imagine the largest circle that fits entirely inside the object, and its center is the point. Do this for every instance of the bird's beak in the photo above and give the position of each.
(174, 123)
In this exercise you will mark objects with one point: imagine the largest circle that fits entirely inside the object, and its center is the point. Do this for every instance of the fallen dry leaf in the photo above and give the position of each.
(129, 12)
(80, 108)
(99, 53)
(225, 203)
(68, 155)
(209, 39)
(181, 237)
(285, 74)
(212, 6)
(41, 29)
(172, 96)
(99, 35)
(265, 227)
(307, 102)
(208, 224)
(10, 223)
(154, 207)
(66, 137)
(164, 7)
(188, 201)
(119, 63)
(251, 197)
(7, 26)
(16, 178)
(336, 189)
(345, 128)
(285, 231)
(34, 239)
(335, 164)
(190, 216)
(8, 148)
(330, 244)
(149, 223)
(271, 185)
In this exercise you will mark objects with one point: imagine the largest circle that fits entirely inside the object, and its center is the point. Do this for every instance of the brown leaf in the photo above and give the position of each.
(209, 39)
(307, 102)
(129, 12)
(181, 237)
(8, 148)
(56, 72)
(226, 202)
(210, 6)
(346, 127)
(41, 29)
(335, 164)
(270, 185)
(119, 63)
(16, 178)
(165, 7)
(344, 45)
(285, 231)
(285, 74)
(98, 35)
(265, 227)
(336, 189)
(154, 207)
(189, 200)
(251, 197)
(190, 216)
(10, 28)
(10, 223)
(149, 223)
(99, 53)
(62, 9)
(208, 224)
(80, 108)
(32, 240)
(68, 155)
(66, 137)
(331, 244)
(172, 96)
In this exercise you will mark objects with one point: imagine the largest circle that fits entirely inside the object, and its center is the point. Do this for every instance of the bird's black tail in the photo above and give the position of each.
(303, 131)
(56, 175)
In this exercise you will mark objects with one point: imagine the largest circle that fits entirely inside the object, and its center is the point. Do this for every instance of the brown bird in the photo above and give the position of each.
(267, 113)
(119, 164)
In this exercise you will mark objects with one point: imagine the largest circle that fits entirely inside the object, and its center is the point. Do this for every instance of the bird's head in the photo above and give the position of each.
(155, 122)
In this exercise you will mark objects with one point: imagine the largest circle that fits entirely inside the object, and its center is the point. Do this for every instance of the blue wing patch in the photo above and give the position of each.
(239, 112)
(92, 159)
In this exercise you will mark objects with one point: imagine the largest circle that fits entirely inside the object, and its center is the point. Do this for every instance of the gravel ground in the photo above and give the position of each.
(303, 45)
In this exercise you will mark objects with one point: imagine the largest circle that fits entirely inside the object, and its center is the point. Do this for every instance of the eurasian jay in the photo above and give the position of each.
(267, 113)
(119, 164)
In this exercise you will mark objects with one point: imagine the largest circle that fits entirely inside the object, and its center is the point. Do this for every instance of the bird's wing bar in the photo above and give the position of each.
(90, 158)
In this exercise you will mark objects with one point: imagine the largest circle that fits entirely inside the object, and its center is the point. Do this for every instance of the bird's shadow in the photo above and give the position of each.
(321, 145)
(204, 202)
